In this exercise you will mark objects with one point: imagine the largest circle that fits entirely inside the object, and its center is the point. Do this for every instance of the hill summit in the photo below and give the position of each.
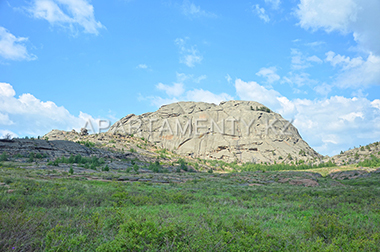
(242, 131)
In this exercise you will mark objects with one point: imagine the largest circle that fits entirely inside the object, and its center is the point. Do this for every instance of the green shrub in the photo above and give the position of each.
(4, 157)
(31, 157)
(325, 226)
(182, 164)
(106, 168)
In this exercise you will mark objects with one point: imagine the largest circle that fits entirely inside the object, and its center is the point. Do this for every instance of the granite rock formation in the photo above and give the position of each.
(243, 131)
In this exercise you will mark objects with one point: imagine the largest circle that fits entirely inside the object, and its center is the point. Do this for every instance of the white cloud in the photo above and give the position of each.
(299, 79)
(157, 100)
(67, 13)
(323, 89)
(228, 78)
(356, 71)
(314, 59)
(181, 77)
(326, 123)
(259, 11)
(357, 16)
(350, 117)
(206, 96)
(142, 66)
(253, 91)
(4, 119)
(326, 14)
(175, 90)
(12, 47)
(269, 73)
(198, 95)
(190, 9)
(274, 3)
(189, 55)
(300, 61)
(6, 90)
(376, 104)
(315, 43)
(200, 78)
(29, 116)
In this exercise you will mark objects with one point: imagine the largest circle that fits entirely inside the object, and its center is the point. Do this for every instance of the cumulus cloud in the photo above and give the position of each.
(260, 12)
(188, 55)
(175, 90)
(325, 123)
(329, 15)
(255, 92)
(67, 13)
(12, 47)
(191, 10)
(359, 17)
(355, 72)
(269, 73)
(27, 115)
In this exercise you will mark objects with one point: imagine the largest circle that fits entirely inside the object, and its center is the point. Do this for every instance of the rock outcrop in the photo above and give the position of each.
(243, 131)
(54, 149)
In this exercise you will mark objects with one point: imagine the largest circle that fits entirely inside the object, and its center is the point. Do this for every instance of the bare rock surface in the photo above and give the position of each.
(245, 131)
(349, 174)
(304, 182)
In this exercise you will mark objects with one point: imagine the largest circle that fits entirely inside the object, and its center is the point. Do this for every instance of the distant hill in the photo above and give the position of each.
(359, 155)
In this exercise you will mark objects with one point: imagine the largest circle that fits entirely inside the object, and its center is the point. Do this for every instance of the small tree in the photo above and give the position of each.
(7, 136)
(136, 168)
(71, 171)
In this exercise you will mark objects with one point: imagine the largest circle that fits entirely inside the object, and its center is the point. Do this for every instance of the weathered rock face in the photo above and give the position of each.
(245, 131)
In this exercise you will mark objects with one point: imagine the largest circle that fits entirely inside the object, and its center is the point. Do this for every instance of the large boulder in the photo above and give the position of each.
(243, 131)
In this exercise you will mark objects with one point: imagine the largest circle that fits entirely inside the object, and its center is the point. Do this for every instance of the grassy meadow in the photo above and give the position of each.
(211, 212)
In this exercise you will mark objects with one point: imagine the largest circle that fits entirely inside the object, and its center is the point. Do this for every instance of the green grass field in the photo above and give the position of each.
(212, 212)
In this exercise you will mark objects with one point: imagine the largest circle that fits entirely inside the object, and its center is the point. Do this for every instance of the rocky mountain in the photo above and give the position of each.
(243, 131)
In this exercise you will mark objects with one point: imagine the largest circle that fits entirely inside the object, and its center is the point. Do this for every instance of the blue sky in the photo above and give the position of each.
(63, 62)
